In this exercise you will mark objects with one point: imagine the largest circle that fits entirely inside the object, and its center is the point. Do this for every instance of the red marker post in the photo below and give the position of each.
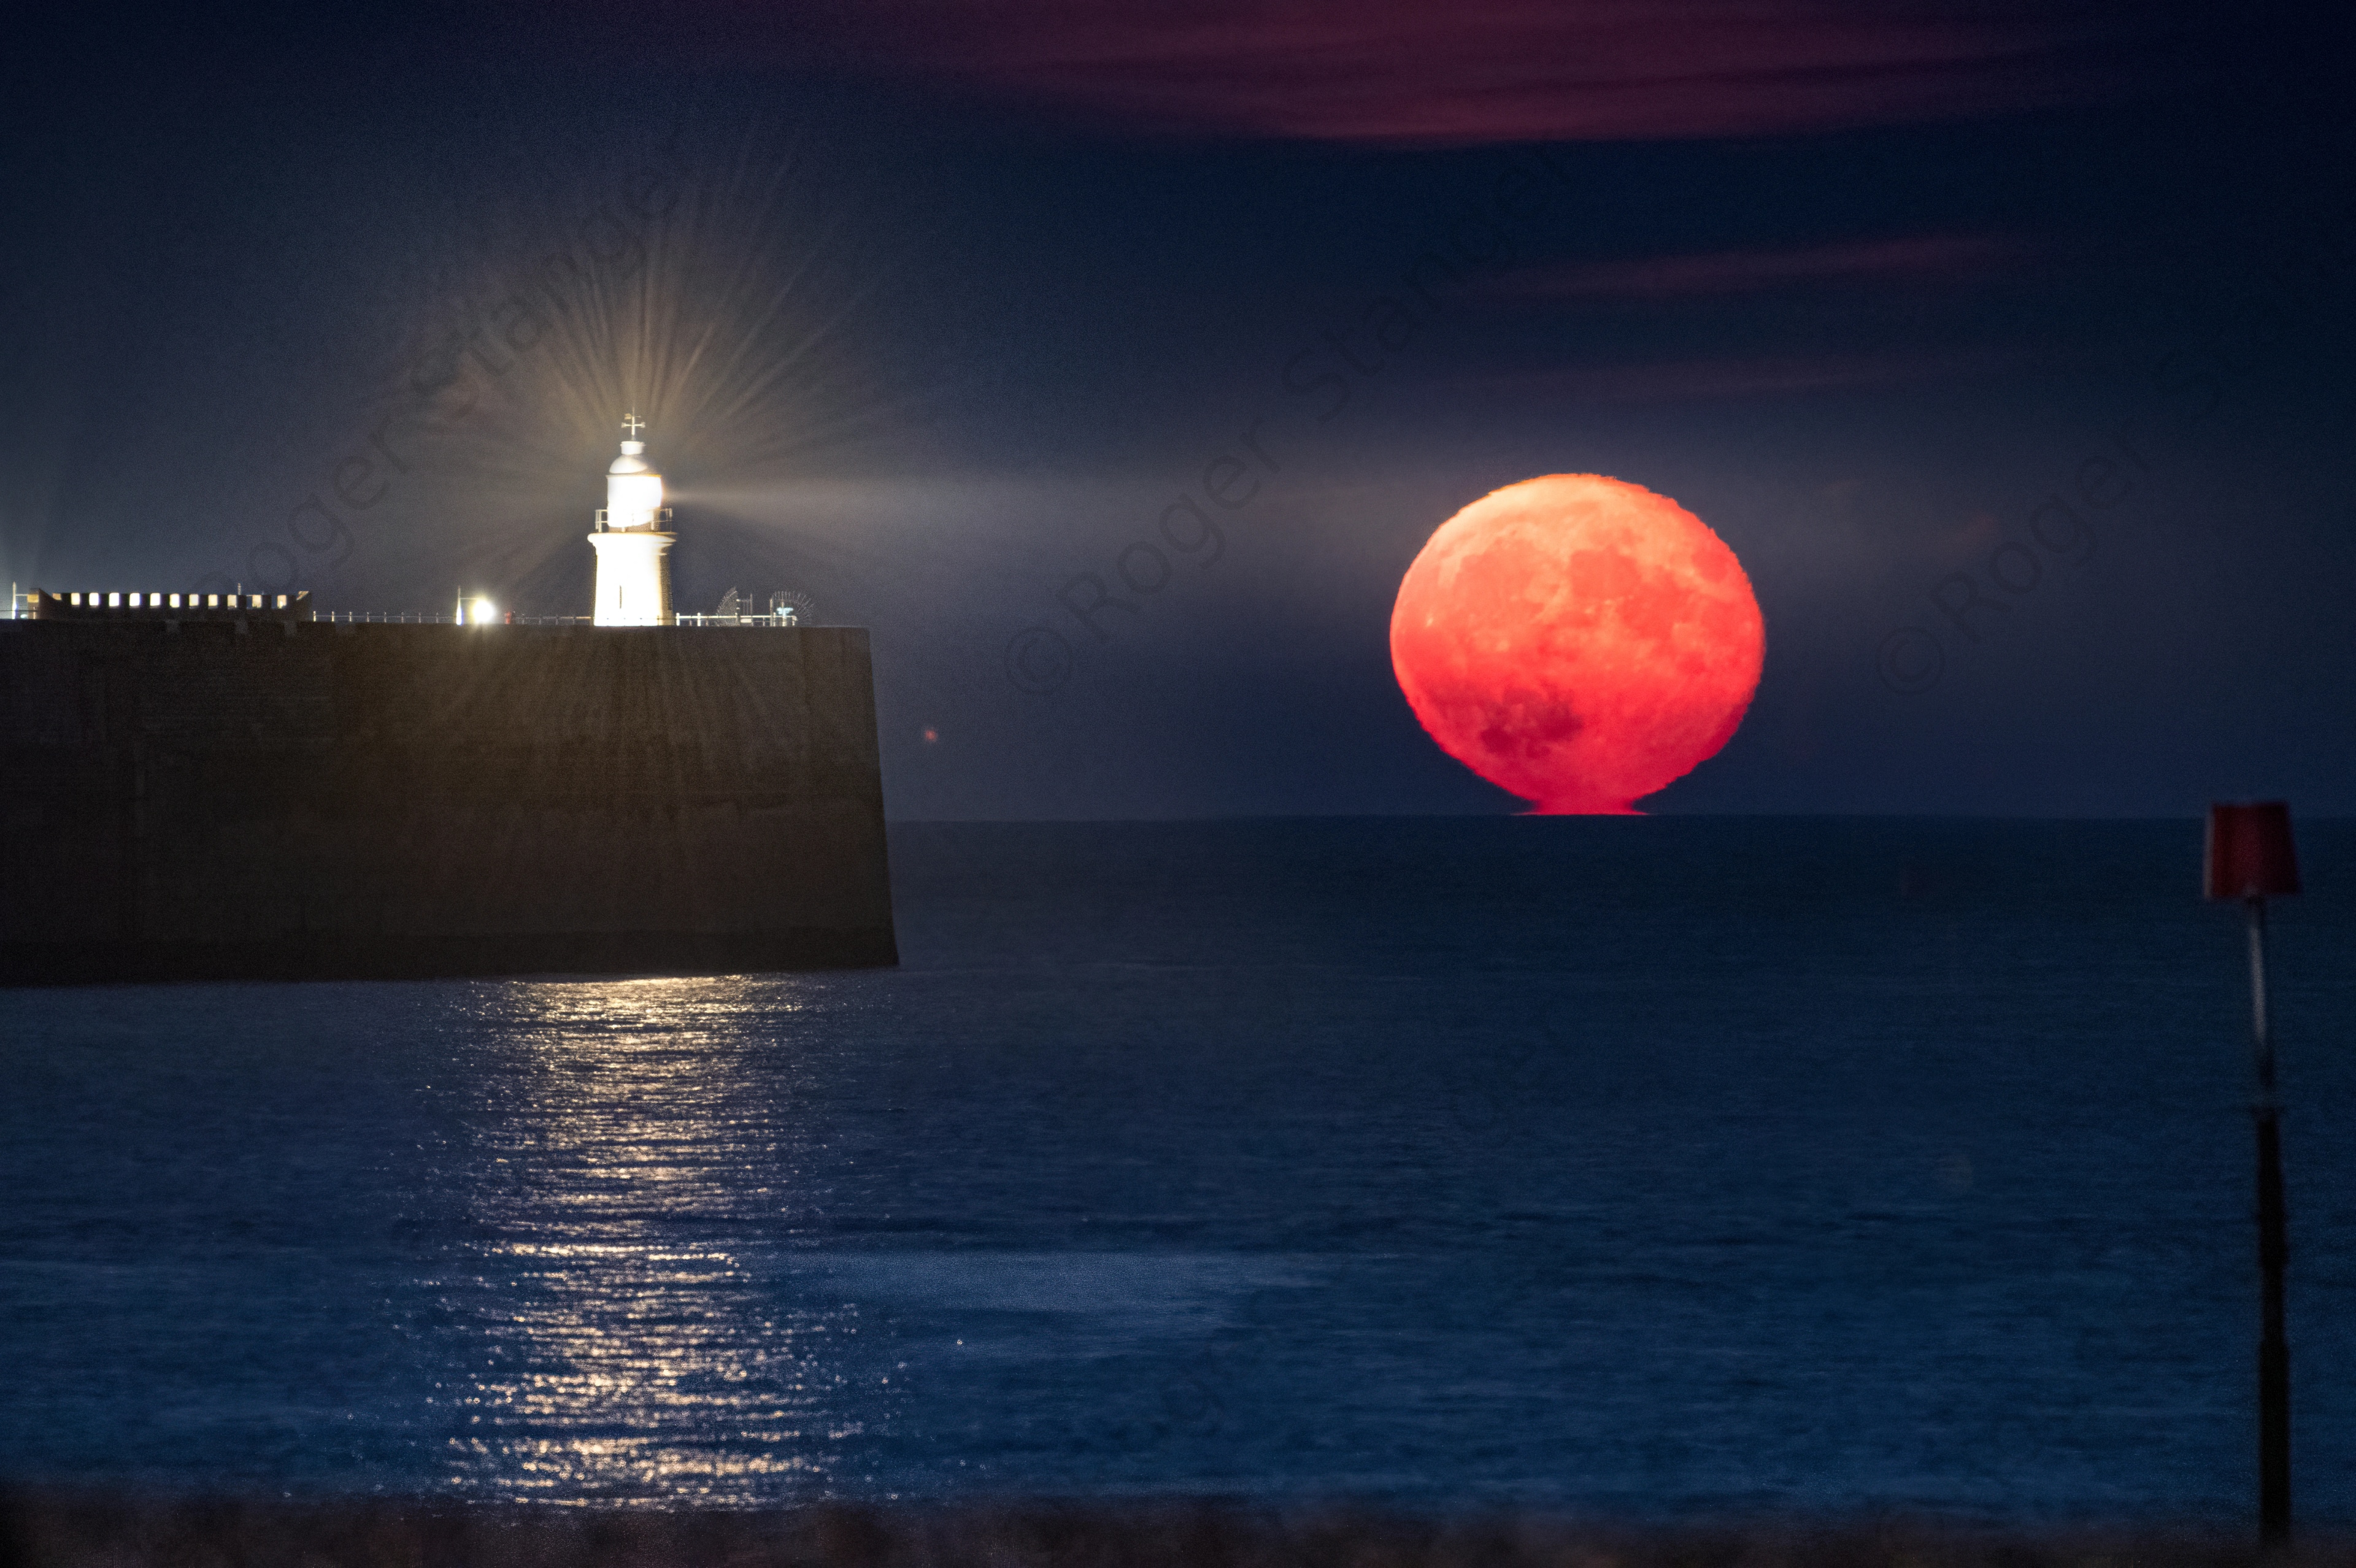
(2250, 858)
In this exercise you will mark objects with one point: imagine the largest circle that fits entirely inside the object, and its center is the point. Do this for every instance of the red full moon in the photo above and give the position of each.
(1579, 641)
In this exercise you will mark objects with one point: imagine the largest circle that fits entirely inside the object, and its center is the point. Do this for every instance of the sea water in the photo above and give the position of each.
(1643, 1166)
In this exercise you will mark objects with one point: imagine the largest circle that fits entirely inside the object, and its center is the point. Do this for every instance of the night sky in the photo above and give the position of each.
(1112, 364)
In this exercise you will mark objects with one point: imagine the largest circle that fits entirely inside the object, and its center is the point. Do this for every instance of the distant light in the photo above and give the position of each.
(483, 613)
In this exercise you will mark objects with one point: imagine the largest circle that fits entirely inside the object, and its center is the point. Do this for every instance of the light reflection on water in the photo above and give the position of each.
(638, 1284)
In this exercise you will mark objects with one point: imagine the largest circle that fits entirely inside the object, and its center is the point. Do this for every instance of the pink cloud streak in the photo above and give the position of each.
(1501, 70)
(1700, 379)
(1920, 258)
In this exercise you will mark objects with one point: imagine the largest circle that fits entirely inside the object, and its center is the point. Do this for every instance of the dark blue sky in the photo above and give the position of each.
(1112, 369)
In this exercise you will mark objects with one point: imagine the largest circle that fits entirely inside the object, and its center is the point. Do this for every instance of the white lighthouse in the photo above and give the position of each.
(632, 541)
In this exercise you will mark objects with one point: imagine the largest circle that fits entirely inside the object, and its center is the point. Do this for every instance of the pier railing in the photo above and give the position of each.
(509, 618)
(145, 605)
(384, 617)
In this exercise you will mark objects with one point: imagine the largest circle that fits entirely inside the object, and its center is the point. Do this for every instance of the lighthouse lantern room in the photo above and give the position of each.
(633, 540)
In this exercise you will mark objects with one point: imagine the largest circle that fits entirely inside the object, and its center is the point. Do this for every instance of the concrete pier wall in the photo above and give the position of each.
(219, 799)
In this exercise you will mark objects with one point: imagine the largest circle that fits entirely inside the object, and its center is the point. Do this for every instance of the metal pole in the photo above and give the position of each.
(2273, 1349)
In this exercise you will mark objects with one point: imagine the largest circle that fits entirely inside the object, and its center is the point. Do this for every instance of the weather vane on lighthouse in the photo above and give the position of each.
(633, 540)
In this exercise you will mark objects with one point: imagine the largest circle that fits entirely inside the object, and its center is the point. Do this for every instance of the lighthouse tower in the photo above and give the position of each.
(632, 541)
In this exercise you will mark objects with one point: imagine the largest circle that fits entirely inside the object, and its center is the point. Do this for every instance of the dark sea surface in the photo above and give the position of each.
(1642, 1166)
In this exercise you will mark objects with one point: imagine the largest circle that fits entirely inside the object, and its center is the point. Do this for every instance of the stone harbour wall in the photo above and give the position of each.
(263, 799)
